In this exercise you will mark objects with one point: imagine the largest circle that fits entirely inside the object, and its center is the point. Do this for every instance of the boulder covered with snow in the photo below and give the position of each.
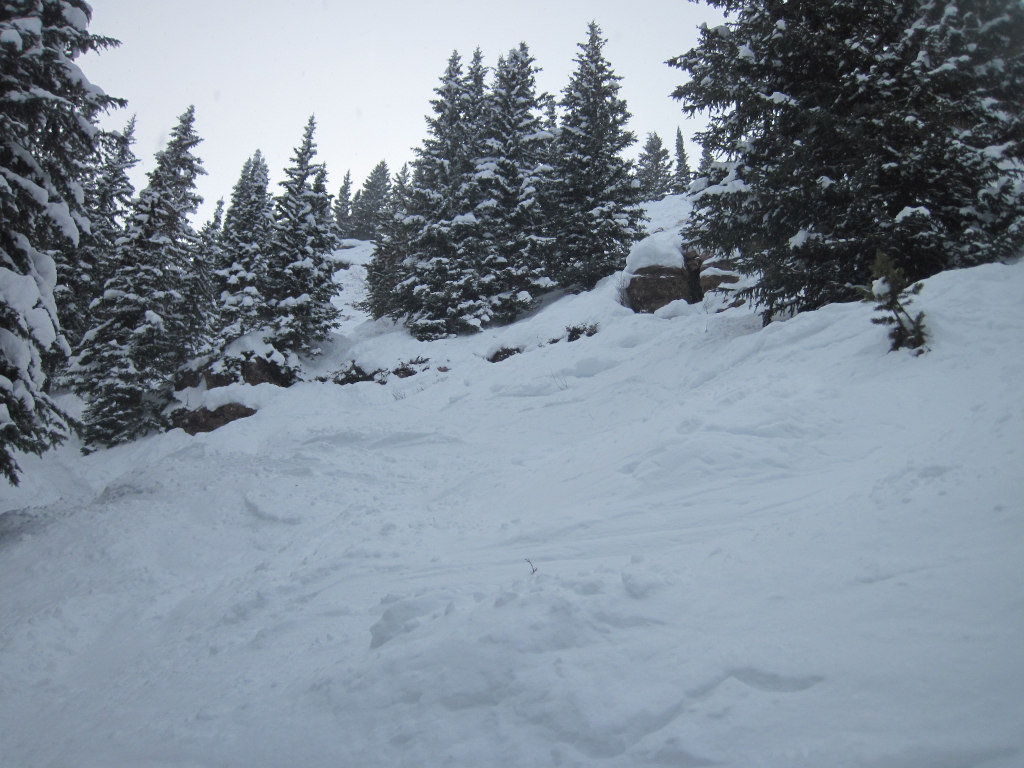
(658, 272)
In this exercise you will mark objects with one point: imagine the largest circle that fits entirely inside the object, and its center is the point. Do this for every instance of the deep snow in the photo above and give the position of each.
(780, 546)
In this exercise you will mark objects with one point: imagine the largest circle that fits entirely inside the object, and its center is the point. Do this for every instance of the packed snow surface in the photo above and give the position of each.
(747, 546)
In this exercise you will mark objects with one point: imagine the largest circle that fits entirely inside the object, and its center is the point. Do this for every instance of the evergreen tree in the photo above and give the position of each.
(326, 239)
(241, 273)
(369, 208)
(200, 283)
(386, 270)
(343, 208)
(83, 271)
(440, 295)
(145, 325)
(48, 111)
(682, 175)
(924, 99)
(511, 178)
(706, 168)
(654, 169)
(598, 213)
(298, 288)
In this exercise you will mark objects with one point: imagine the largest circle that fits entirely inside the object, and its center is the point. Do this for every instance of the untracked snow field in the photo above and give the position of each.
(747, 546)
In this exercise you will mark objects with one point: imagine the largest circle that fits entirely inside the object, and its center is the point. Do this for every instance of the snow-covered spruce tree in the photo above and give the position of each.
(369, 209)
(343, 208)
(682, 175)
(511, 179)
(598, 216)
(386, 270)
(323, 205)
(654, 169)
(144, 321)
(201, 305)
(83, 271)
(241, 273)
(922, 97)
(440, 294)
(48, 137)
(298, 289)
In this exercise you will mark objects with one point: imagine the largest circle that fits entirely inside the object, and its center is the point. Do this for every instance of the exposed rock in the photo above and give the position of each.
(718, 272)
(187, 379)
(204, 420)
(252, 370)
(504, 353)
(259, 370)
(652, 287)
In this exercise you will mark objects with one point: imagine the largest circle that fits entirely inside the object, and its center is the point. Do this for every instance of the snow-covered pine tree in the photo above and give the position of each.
(706, 166)
(440, 295)
(144, 326)
(597, 203)
(387, 271)
(511, 178)
(369, 209)
(949, 176)
(244, 242)
(343, 208)
(682, 175)
(84, 270)
(201, 305)
(299, 287)
(923, 97)
(48, 135)
(654, 169)
(323, 204)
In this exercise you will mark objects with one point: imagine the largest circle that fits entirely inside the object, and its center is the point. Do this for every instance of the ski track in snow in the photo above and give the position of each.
(753, 547)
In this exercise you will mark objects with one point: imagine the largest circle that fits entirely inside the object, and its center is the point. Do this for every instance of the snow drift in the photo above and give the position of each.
(778, 546)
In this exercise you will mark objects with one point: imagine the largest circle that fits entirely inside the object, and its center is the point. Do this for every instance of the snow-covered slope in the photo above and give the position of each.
(778, 546)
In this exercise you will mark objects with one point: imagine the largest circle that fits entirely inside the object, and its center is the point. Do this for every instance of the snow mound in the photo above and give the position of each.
(747, 546)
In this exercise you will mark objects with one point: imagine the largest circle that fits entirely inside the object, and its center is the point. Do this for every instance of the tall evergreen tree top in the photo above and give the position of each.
(302, 169)
(594, 113)
(597, 208)
(343, 206)
(682, 174)
(166, 203)
(654, 169)
(369, 208)
(248, 217)
(48, 138)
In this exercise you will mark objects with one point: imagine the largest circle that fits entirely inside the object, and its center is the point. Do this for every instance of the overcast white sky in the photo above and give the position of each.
(256, 70)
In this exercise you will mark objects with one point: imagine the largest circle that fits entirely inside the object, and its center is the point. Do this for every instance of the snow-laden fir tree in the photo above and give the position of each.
(298, 289)
(48, 138)
(244, 244)
(144, 322)
(84, 270)
(370, 206)
(511, 180)
(855, 128)
(598, 216)
(323, 212)
(387, 269)
(343, 208)
(682, 174)
(440, 294)
(201, 283)
(654, 169)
